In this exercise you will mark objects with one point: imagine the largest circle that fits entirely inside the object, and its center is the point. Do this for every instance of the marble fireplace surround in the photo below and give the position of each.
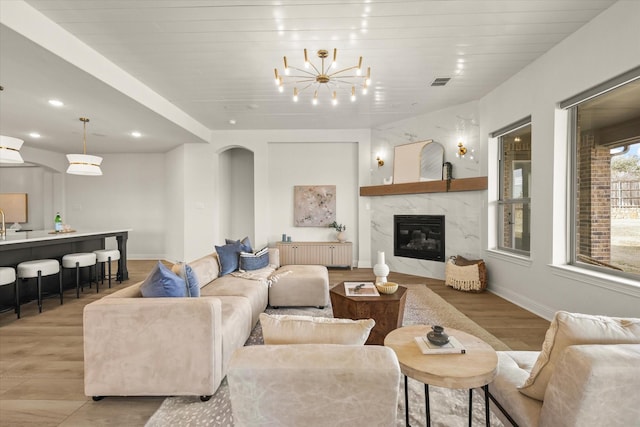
(462, 211)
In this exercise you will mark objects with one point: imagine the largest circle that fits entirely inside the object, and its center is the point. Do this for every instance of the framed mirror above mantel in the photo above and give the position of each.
(441, 186)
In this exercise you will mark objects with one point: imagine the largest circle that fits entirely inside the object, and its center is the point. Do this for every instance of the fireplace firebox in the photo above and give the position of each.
(419, 236)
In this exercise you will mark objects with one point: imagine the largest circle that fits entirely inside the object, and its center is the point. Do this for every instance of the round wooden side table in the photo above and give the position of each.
(475, 368)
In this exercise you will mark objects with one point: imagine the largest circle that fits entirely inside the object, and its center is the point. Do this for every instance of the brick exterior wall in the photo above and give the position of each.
(594, 204)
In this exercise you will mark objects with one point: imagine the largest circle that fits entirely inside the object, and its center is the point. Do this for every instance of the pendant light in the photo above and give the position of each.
(10, 150)
(10, 147)
(84, 164)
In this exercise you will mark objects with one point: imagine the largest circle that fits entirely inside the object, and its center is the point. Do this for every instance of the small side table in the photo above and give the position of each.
(476, 368)
(387, 310)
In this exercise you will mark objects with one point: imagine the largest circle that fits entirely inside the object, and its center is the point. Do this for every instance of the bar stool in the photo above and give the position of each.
(38, 269)
(78, 260)
(8, 277)
(107, 255)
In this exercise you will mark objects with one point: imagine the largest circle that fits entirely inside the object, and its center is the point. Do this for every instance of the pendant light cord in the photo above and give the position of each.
(84, 135)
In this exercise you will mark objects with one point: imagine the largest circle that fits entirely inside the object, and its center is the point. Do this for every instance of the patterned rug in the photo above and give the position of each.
(449, 408)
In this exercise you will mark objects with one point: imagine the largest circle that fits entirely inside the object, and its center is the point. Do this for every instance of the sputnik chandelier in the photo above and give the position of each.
(326, 78)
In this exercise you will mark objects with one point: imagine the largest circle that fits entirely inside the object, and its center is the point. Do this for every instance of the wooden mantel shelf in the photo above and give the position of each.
(462, 184)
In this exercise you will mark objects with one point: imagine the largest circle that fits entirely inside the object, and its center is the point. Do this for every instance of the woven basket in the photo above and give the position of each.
(465, 275)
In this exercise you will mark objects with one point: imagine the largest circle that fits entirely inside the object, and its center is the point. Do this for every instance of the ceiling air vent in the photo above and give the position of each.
(440, 81)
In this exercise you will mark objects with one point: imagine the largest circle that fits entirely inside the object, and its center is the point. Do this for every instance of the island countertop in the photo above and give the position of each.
(14, 237)
(19, 246)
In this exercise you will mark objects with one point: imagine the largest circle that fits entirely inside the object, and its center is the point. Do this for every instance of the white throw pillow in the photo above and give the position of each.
(290, 329)
(568, 329)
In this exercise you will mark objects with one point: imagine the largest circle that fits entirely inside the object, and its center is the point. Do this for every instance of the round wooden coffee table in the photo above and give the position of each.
(475, 368)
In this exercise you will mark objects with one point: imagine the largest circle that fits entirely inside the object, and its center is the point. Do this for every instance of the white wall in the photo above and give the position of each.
(174, 181)
(266, 210)
(605, 47)
(311, 163)
(129, 194)
(28, 180)
(200, 214)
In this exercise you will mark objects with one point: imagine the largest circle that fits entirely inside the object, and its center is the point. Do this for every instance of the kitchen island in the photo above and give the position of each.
(21, 246)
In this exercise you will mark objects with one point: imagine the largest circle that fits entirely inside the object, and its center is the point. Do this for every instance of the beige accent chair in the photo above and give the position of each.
(587, 375)
(314, 385)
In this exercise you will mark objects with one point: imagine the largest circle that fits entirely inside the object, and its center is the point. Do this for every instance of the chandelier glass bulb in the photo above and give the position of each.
(324, 77)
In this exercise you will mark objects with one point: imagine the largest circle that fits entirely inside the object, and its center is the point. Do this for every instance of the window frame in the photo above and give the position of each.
(570, 105)
(501, 202)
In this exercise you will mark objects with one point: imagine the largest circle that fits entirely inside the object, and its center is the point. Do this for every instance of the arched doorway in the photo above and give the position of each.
(236, 189)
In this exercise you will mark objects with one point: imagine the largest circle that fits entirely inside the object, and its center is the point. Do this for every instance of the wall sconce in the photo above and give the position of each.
(462, 150)
(380, 161)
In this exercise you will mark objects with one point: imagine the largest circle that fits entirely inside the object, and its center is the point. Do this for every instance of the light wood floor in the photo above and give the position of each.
(41, 355)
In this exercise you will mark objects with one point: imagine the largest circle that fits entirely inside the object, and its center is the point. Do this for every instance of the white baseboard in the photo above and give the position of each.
(528, 304)
(146, 257)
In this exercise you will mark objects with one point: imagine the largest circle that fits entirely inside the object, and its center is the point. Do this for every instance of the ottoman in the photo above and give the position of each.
(300, 285)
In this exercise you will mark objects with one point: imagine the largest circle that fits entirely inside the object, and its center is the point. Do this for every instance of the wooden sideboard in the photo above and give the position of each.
(329, 254)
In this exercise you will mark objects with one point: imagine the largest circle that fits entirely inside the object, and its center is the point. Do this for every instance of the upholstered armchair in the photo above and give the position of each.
(314, 372)
(314, 385)
(586, 374)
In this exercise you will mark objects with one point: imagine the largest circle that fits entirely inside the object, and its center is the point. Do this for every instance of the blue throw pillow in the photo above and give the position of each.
(246, 244)
(228, 256)
(187, 274)
(162, 282)
(249, 261)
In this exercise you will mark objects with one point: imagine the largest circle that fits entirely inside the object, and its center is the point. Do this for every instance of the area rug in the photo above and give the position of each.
(449, 408)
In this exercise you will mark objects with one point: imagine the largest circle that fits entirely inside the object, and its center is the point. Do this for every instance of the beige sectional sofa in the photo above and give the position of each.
(135, 346)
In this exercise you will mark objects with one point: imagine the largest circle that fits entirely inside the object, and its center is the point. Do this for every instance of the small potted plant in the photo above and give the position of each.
(340, 228)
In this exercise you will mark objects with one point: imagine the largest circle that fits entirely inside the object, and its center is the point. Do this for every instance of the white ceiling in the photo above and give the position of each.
(214, 60)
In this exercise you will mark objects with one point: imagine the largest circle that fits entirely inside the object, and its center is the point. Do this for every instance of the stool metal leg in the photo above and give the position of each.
(39, 291)
(17, 299)
(78, 279)
(95, 267)
(109, 272)
(61, 290)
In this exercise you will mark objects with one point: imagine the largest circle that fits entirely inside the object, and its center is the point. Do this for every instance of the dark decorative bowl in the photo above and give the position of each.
(437, 336)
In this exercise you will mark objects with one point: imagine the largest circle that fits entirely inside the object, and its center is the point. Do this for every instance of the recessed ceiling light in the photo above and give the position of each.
(232, 122)
(34, 135)
(136, 134)
(56, 103)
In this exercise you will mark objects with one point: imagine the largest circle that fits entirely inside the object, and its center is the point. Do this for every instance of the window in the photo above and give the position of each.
(605, 211)
(514, 203)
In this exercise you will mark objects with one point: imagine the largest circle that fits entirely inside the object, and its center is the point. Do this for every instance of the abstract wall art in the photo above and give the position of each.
(314, 205)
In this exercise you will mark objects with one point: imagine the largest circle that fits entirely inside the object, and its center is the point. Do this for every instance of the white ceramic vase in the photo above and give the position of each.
(342, 236)
(381, 270)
